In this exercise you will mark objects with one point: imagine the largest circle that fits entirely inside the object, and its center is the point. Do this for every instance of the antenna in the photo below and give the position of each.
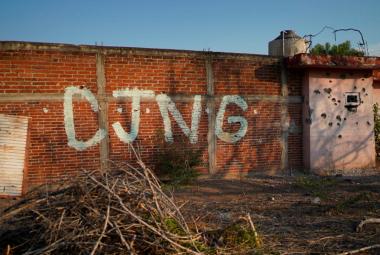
(363, 46)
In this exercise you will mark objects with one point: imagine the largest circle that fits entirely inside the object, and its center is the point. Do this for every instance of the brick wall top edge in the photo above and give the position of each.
(308, 61)
(110, 50)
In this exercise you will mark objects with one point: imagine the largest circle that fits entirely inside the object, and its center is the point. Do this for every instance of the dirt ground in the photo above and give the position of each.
(293, 215)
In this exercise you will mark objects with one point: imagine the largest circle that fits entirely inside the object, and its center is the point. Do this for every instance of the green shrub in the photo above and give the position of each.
(376, 117)
(177, 161)
(316, 186)
(352, 201)
(343, 49)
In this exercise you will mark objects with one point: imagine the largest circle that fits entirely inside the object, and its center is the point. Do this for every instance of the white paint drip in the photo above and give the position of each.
(45, 110)
(136, 95)
(166, 105)
(69, 118)
(119, 110)
(225, 136)
(147, 110)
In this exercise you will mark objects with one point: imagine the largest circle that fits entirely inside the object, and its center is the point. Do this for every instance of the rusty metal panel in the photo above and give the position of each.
(13, 142)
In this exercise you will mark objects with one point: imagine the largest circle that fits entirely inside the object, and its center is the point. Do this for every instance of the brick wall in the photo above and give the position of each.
(33, 79)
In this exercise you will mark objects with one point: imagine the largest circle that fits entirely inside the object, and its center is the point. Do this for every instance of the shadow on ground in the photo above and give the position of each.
(304, 215)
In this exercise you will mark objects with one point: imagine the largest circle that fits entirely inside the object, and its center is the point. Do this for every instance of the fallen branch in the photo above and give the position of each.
(359, 228)
(326, 238)
(367, 248)
(256, 236)
(109, 212)
(103, 231)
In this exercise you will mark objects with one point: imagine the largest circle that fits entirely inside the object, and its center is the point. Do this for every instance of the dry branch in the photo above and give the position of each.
(367, 248)
(359, 228)
(120, 211)
(256, 236)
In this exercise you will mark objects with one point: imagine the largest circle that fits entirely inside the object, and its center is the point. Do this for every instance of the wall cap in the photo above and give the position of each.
(109, 50)
(308, 61)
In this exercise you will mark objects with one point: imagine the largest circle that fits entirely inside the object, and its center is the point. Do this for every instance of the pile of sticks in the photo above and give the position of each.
(123, 211)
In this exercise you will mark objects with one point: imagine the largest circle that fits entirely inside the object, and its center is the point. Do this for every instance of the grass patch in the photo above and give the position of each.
(316, 186)
(355, 201)
(177, 163)
(173, 227)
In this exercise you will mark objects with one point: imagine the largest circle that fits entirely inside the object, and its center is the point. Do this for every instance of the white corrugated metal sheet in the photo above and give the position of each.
(13, 138)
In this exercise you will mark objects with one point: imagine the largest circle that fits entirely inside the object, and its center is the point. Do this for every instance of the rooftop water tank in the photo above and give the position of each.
(287, 44)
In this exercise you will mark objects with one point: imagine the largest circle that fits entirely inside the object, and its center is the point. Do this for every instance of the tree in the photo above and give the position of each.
(343, 49)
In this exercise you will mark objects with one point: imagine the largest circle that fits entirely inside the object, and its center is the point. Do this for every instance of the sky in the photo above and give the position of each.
(228, 26)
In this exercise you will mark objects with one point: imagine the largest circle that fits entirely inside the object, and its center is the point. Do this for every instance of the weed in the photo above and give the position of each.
(173, 227)
(178, 161)
(238, 235)
(315, 186)
(352, 201)
(376, 116)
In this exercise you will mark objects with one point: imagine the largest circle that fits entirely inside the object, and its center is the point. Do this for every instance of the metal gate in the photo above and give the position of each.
(13, 142)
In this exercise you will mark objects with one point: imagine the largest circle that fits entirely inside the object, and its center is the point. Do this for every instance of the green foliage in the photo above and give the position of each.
(173, 227)
(178, 161)
(343, 49)
(241, 236)
(314, 185)
(376, 117)
(351, 201)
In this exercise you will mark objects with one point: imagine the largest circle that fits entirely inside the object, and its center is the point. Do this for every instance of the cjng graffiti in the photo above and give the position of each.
(166, 107)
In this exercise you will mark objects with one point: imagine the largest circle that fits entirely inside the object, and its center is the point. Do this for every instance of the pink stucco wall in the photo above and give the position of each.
(337, 140)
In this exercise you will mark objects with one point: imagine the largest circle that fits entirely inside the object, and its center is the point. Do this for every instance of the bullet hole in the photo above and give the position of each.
(362, 102)
(340, 136)
(368, 123)
(363, 79)
(323, 115)
(366, 94)
(355, 87)
(335, 103)
(338, 124)
(338, 101)
(329, 97)
(363, 89)
(343, 76)
(317, 91)
(330, 81)
(338, 118)
(357, 123)
(330, 124)
(344, 119)
(334, 100)
(327, 90)
(81, 87)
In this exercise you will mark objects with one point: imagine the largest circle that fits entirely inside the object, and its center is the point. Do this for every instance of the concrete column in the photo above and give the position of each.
(103, 109)
(210, 104)
(284, 119)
